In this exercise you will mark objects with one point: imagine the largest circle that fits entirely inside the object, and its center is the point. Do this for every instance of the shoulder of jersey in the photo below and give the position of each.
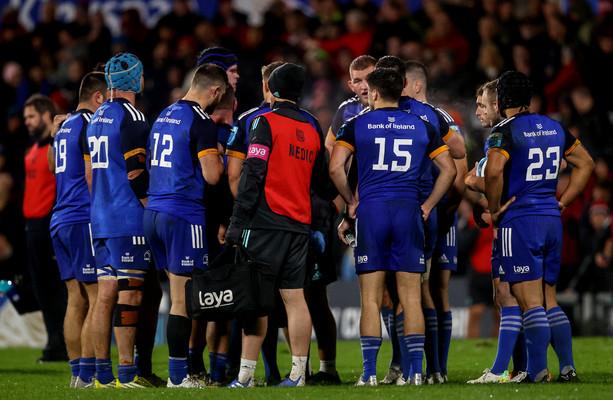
(200, 112)
(504, 122)
(133, 112)
(445, 115)
(248, 113)
(87, 116)
(349, 101)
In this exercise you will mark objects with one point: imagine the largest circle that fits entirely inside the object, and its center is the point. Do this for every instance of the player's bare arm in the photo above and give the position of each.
(340, 155)
(583, 167)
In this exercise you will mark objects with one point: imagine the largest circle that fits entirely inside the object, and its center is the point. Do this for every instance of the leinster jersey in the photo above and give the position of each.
(239, 138)
(347, 110)
(390, 146)
(73, 198)
(534, 146)
(182, 134)
(116, 132)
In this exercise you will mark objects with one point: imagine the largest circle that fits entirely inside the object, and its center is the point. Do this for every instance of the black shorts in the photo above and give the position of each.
(480, 289)
(286, 252)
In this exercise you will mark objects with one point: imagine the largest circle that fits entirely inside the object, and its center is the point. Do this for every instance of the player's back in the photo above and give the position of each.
(535, 145)
(115, 210)
(176, 181)
(73, 198)
(391, 147)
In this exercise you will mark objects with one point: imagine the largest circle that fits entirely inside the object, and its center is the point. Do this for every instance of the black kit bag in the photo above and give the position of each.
(225, 291)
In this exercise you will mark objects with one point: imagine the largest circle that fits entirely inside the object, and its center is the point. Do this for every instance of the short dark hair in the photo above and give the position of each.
(362, 62)
(208, 75)
(267, 69)
(41, 104)
(387, 81)
(91, 83)
(514, 89)
(417, 69)
(392, 62)
(227, 100)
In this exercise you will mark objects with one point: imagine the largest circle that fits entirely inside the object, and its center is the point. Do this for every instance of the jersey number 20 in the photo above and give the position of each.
(405, 154)
(99, 151)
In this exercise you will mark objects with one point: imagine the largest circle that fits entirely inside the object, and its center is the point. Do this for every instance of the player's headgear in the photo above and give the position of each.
(123, 72)
(218, 55)
(286, 82)
(514, 90)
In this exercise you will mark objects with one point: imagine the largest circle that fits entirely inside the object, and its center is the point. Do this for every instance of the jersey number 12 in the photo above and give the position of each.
(166, 151)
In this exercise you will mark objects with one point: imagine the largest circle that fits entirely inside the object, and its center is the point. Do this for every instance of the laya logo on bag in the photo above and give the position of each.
(222, 298)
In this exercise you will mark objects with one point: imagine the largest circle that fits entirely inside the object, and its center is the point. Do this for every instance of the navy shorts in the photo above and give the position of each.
(390, 237)
(530, 248)
(446, 250)
(74, 252)
(176, 245)
(121, 253)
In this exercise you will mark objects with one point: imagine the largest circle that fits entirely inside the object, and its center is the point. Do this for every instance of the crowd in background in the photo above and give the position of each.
(567, 53)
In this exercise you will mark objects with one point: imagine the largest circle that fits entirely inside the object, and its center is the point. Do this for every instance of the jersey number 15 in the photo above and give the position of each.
(405, 154)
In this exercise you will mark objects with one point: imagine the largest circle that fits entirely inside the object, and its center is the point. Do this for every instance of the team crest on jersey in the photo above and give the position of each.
(391, 119)
(147, 255)
(205, 259)
(540, 126)
(300, 135)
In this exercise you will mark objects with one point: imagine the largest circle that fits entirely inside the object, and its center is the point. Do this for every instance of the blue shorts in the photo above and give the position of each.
(390, 237)
(430, 229)
(446, 250)
(530, 248)
(177, 245)
(496, 267)
(121, 253)
(74, 252)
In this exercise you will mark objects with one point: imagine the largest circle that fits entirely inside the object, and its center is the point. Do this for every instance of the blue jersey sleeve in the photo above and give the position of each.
(570, 142)
(435, 145)
(133, 137)
(83, 146)
(346, 135)
(501, 140)
(205, 133)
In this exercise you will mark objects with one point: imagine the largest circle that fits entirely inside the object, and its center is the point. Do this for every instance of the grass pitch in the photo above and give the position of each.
(21, 378)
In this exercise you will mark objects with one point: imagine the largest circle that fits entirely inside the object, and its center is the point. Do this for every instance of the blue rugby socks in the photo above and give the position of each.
(538, 335)
(370, 350)
(104, 370)
(561, 338)
(87, 368)
(391, 323)
(431, 344)
(510, 325)
(444, 340)
(415, 346)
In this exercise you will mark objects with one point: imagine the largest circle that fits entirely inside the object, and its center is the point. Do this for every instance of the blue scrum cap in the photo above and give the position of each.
(123, 72)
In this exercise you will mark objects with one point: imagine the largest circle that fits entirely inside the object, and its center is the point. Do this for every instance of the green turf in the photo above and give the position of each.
(21, 378)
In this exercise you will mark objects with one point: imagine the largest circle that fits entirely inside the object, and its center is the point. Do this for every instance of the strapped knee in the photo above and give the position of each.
(130, 279)
(126, 315)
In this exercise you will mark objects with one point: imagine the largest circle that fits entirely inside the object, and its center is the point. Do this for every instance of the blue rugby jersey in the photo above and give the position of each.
(182, 134)
(116, 132)
(347, 110)
(534, 146)
(390, 146)
(73, 198)
(239, 138)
